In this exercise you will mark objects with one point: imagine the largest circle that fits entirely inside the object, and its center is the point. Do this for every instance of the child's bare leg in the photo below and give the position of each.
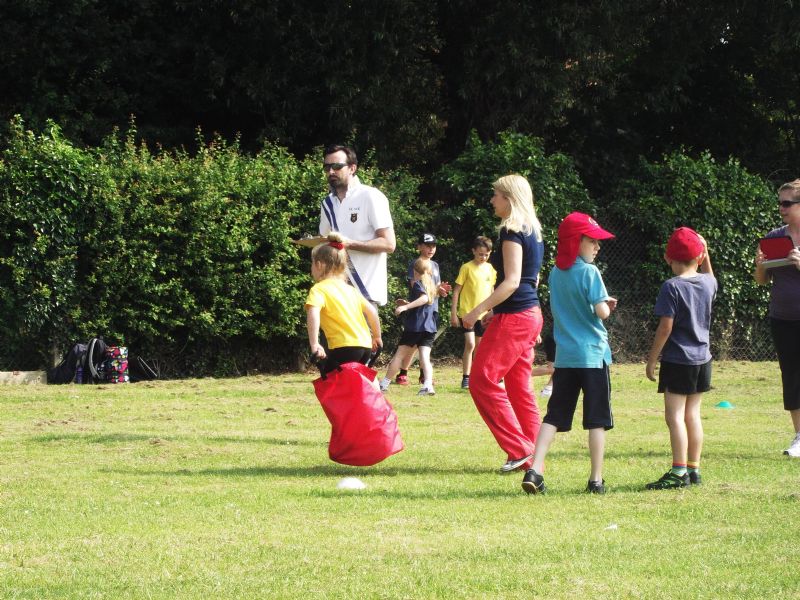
(597, 448)
(547, 433)
(399, 358)
(694, 428)
(425, 366)
(469, 348)
(406, 364)
(674, 415)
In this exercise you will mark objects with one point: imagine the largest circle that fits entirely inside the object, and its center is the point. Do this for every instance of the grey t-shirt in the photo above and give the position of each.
(688, 301)
(784, 300)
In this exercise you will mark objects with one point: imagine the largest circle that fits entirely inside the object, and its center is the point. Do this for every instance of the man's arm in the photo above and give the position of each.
(384, 241)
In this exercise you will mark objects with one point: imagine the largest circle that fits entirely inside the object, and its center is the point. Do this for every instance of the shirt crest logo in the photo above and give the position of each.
(353, 217)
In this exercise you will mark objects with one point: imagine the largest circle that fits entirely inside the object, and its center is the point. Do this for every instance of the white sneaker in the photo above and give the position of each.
(794, 449)
(546, 392)
(384, 385)
(426, 391)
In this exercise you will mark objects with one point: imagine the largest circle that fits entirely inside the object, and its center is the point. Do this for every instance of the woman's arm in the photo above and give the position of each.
(761, 275)
(512, 265)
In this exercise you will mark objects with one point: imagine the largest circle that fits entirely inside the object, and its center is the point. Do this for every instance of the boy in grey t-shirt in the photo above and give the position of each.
(684, 310)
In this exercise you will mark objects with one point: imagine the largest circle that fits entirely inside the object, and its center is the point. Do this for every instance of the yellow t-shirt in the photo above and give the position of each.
(477, 283)
(341, 313)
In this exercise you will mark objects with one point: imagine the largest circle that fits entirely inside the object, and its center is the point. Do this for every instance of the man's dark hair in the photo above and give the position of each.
(352, 159)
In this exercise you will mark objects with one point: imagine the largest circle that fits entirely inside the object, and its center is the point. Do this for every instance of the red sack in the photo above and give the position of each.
(364, 427)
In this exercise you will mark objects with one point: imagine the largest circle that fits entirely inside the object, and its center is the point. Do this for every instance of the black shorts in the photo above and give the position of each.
(345, 354)
(684, 379)
(478, 328)
(417, 338)
(567, 386)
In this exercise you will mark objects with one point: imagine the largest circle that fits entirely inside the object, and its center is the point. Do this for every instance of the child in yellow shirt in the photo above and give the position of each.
(350, 322)
(474, 284)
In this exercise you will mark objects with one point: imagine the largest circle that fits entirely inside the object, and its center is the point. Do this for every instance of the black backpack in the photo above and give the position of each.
(81, 359)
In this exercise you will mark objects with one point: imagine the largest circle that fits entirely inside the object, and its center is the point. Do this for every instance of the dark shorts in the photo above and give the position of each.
(345, 354)
(786, 337)
(417, 338)
(684, 379)
(478, 328)
(567, 386)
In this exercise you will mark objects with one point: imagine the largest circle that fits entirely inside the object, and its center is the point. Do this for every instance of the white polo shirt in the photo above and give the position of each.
(358, 216)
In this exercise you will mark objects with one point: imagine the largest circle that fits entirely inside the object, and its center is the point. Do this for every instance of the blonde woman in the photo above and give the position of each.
(784, 306)
(514, 322)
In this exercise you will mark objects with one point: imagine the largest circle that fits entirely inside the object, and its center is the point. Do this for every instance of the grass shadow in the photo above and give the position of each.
(332, 470)
(117, 438)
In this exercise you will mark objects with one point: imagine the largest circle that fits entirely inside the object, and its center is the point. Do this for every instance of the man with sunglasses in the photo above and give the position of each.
(784, 305)
(361, 214)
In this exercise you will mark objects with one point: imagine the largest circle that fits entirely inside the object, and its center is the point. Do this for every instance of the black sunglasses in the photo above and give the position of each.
(787, 203)
(333, 166)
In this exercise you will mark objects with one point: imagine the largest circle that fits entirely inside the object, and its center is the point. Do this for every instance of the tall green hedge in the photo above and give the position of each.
(185, 258)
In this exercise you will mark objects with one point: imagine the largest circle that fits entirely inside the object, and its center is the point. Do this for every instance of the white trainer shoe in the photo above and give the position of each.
(794, 449)
(546, 392)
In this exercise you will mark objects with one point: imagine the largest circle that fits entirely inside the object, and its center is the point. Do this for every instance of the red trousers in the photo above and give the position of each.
(506, 352)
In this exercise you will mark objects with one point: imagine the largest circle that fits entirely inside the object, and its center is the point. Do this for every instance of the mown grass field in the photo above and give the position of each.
(223, 489)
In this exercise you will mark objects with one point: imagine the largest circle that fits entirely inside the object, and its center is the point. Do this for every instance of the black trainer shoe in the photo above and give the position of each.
(465, 382)
(513, 465)
(669, 480)
(694, 478)
(596, 487)
(533, 483)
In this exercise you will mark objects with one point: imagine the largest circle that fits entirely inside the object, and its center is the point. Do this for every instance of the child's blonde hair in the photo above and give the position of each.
(522, 217)
(332, 256)
(422, 266)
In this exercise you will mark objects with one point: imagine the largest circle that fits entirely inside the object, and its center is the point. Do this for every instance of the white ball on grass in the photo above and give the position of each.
(350, 483)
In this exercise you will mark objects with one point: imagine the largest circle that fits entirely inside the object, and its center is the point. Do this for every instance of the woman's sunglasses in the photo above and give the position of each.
(787, 203)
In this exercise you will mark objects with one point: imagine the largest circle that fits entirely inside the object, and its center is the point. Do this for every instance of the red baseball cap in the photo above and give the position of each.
(570, 231)
(684, 244)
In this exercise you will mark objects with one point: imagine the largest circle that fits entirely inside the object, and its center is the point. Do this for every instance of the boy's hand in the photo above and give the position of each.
(318, 351)
(377, 342)
(455, 321)
(444, 289)
(612, 303)
(650, 371)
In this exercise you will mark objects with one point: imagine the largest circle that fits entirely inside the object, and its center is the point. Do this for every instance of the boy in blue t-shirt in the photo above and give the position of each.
(684, 310)
(579, 303)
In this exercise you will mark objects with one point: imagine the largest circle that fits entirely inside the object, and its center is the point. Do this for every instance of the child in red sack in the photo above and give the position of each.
(349, 321)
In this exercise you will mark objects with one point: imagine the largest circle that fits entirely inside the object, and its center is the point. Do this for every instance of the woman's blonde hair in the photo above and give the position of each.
(332, 255)
(522, 217)
(791, 185)
(422, 266)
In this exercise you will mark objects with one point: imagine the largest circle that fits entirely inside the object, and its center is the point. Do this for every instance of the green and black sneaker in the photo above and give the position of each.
(669, 481)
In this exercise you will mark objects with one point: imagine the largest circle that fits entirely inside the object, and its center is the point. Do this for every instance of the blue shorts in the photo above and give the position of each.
(567, 386)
